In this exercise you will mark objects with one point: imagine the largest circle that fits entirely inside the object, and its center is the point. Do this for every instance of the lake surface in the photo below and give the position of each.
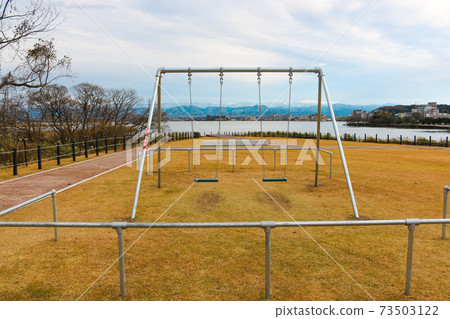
(306, 126)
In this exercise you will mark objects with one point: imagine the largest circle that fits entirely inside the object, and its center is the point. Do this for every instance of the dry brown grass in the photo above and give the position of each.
(228, 264)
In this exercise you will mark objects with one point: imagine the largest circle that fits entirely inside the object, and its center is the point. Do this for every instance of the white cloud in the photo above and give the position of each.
(396, 35)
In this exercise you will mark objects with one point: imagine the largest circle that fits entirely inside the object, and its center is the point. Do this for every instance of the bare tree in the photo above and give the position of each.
(23, 21)
(39, 68)
(57, 108)
(9, 117)
(91, 101)
(39, 65)
(121, 110)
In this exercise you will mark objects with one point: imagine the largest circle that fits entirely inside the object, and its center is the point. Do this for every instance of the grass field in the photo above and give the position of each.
(228, 264)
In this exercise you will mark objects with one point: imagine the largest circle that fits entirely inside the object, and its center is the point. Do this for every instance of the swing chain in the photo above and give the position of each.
(258, 80)
(192, 120)
(220, 120)
(288, 122)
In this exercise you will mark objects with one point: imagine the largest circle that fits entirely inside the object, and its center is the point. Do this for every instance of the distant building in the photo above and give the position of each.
(285, 117)
(276, 117)
(313, 117)
(216, 117)
(250, 118)
(430, 110)
(302, 118)
(358, 115)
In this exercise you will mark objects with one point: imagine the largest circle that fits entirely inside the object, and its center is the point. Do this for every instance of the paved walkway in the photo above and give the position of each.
(16, 191)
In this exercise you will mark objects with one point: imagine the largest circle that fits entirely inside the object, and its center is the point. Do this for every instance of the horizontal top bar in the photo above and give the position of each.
(231, 224)
(240, 70)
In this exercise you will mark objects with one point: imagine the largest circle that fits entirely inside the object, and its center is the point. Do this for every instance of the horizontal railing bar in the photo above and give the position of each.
(230, 224)
(239, 70)
(58, 224)
(26, 203)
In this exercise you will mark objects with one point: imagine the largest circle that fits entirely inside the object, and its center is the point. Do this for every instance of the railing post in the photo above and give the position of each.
(58, 154)
(73, 152)
(429, 141)
(55, 214)
(414, 140)
(387, 140)
(39, 157)
(85, 148)
(119, 226)
(274, 159)
(115, 144)
(444, 226)
(15, 161)
(331, 164)
(234, 159)
(446, 141)
(25, 151)
(106, 145)
(267, 225)
(189, 159)
(401, 140)
(96, 146)
(268, 231)
(409, 258)
(376, 138)
(365, 137)
(124, 143)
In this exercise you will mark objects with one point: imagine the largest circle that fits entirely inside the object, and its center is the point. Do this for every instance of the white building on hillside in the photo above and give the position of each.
(430, 110)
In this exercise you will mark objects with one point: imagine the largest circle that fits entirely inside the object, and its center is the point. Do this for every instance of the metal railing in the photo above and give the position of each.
(36, 199)
(444, 215)
(57, 152)
(360, 137)
(266, 225)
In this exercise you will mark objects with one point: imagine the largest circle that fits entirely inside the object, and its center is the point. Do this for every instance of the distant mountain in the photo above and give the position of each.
(242, 111)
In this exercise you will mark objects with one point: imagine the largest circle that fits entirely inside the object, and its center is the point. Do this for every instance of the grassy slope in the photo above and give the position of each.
(228, 264)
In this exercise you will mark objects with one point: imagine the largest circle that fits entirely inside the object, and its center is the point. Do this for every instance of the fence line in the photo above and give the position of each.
(266, 225)
(78, 148)
(346, 137)
(89, 147)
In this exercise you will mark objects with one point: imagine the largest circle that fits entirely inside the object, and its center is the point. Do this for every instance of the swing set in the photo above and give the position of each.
(259, 71)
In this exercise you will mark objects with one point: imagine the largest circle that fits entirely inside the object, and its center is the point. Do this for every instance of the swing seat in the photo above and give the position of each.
(284, 179)
(206, 180)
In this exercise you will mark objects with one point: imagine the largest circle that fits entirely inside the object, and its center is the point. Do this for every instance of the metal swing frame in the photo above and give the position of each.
(321, 84)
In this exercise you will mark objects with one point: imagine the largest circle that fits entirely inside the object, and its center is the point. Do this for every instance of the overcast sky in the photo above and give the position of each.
(373, 52)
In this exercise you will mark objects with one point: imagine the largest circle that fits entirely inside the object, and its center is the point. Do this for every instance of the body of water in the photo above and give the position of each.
(209, 127)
